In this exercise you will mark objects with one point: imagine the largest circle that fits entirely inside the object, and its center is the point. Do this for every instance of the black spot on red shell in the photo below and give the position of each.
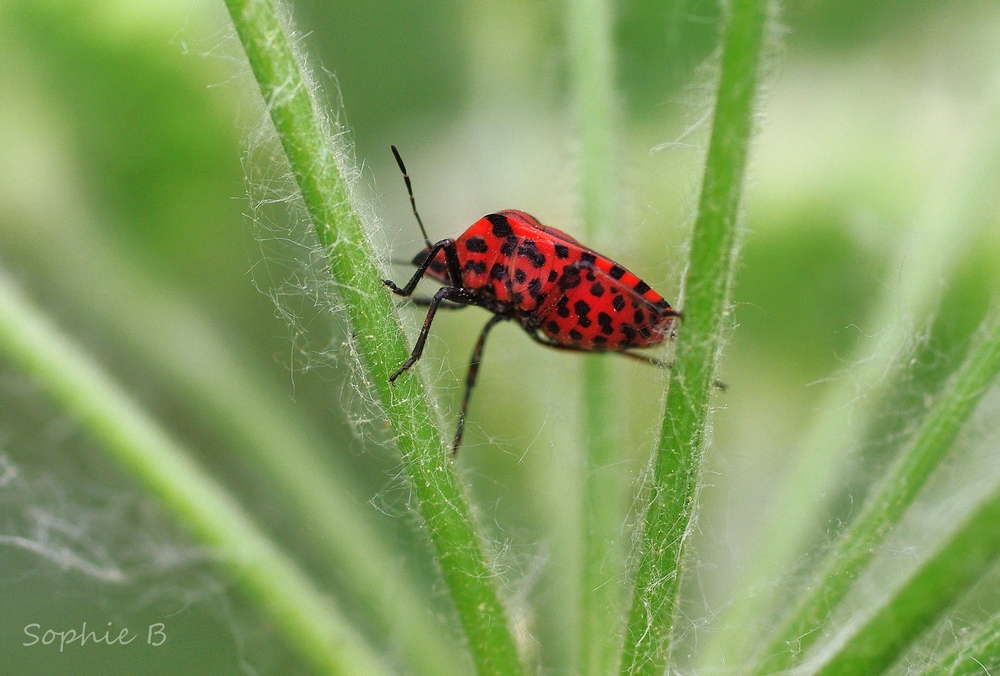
(562, 251)
(639, 317)
(561, 308)
(552, 328)
(476, 245)
(590, 276)
(587, 257)
(534, 287)
(642, 287)
(618, 303)
(531, 252)
(628, 331)
(553, 275)
(575, 335)
(616, 271)
(570, 279)
(604, 319)
(498, 271)
(516, 298)
(509, 245)
(599, 340)
(645, 331)
(584, 321)
(475, 267)
(607, 329)
(519, 276)
(501, 227)
(581, 307)
(597, 289)
(663, 304)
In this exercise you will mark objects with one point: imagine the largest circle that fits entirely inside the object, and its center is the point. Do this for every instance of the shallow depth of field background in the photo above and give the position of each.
(124, 131)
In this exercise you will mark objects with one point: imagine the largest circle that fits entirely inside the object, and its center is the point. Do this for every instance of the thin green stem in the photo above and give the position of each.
(309, 620)
(683, 440)
(857, 545)
(590, 33)
(315, 159)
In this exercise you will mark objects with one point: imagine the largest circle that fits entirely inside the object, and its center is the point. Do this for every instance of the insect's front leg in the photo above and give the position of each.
(451, 293)
(450, 257)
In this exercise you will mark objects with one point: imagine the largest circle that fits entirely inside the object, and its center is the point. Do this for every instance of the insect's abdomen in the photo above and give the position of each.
(605, 307)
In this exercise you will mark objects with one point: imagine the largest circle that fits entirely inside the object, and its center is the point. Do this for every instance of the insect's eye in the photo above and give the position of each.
(421, 256)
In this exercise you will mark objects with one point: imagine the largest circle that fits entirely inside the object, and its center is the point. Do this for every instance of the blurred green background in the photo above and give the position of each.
(135, 199)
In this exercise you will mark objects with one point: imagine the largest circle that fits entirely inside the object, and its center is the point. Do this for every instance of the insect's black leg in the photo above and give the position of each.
(443, 305)
(470, 379)
(451, 258)
(446, 293)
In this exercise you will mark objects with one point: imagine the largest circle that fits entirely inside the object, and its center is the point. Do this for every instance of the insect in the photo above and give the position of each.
(561, 293)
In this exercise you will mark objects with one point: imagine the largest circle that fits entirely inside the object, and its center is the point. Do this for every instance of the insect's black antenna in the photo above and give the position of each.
(409, 189)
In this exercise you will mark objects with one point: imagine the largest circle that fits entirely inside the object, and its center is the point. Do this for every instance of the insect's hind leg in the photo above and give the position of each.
(447, 293)
(470, 379)
(450, 257)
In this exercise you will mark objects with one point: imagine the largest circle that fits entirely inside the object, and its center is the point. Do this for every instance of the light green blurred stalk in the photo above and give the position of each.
(317, 162)
(976, 654)
(308, 619)
(684, 436)
(882, 511)
(280, 442)
(590, 41)
(942, 231)
(871, 643)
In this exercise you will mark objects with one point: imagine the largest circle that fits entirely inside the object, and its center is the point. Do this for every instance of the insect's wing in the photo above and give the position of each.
(589, 308)
(532, 222)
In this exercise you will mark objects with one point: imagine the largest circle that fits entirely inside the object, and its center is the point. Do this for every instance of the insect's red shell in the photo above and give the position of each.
(572, 295)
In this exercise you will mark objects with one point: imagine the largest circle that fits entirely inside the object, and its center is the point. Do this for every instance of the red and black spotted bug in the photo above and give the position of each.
(563, 294)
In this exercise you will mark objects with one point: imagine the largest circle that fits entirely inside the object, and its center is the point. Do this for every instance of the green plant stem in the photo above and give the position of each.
(857, 545)
(683, 440)
(590, 39)
(314, 159)
(307, 618)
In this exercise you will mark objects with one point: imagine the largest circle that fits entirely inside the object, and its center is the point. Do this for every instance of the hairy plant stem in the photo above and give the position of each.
(309, 620)
(683, 440)
(315, 161)
(590, 39)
